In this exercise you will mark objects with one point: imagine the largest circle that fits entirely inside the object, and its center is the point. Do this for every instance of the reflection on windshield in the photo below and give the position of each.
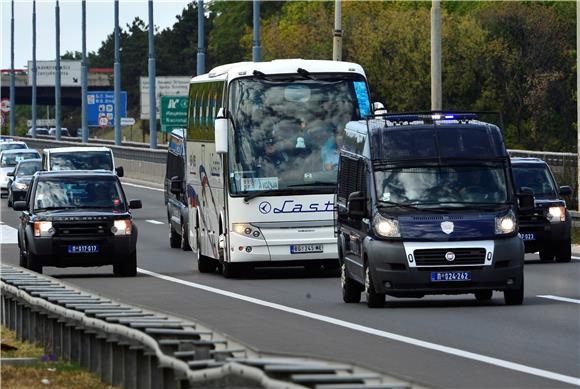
(79, 193)
(536, 178)
(437, 185)
(287, 132)
(27, 169)
(86, 160)
(10, 160)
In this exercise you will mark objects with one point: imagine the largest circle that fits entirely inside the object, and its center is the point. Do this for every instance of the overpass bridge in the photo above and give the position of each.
(99, 79)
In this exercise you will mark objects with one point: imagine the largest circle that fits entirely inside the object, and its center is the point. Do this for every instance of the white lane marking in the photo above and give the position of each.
(383, 334)
(142, 186)
(8, 235)
(577, 258)
(558, 298)
(154, 222)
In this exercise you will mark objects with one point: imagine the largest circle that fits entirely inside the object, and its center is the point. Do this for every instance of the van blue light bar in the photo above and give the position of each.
(430, 117)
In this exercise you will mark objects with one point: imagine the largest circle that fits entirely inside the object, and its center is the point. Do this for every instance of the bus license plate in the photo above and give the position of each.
(305, 248)
(529, 236)
(437, 276)
(83, 248)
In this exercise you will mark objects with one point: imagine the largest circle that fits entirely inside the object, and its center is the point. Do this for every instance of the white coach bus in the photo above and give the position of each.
(261, 156)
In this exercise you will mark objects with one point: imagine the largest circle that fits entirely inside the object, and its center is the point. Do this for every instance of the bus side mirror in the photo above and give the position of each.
(526, 199)
(356, 204)
(221, 133)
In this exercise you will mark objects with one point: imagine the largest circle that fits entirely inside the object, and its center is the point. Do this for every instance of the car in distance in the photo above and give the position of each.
(39, 131)
(8, 161)
(19, 180)
(80, 158)
(11, 145)
(546, 228)
(77, 218)
(63, 132)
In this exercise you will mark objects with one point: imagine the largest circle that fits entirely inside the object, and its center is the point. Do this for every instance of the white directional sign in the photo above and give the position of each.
(70, 73)
(127, 121)
(164, 86)
(42, 122)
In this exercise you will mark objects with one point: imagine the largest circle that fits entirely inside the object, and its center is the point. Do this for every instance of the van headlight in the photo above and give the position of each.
(388, 228)
(556, 214)
(122, 227)
(505, 224)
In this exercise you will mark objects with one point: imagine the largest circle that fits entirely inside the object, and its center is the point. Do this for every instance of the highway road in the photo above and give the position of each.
(436, 341)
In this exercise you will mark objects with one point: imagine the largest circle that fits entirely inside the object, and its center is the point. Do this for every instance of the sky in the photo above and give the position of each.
(100, 23)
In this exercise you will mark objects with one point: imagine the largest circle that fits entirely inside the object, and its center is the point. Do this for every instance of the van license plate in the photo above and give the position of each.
(305, 248)
(83, 248)
(528, 236)
(437, 276)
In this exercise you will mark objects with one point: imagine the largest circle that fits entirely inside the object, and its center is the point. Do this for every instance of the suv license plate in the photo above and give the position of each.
(437, 276)
(83, 248)
(528, 236)
(305, 248)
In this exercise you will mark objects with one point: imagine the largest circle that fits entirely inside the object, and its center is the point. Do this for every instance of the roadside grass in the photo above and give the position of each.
(48, 374)
(575, 235)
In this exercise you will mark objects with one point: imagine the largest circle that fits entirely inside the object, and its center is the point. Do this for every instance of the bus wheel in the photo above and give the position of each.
(230, 270)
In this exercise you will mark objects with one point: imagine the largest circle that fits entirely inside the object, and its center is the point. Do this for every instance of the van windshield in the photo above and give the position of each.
(81, 160)
(453, 186)
(287, 130)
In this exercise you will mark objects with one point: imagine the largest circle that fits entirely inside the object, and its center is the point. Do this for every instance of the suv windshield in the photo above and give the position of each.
(78, 192)
(27, 168)
(12, 146)
(82, 160)
(535, 177)
(10, 160)
(286, 130)
(454, 186)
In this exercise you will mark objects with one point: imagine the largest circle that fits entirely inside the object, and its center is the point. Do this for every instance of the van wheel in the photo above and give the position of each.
(127, 267)
(174, 238)
(546, 254)
(351, 289)
(184, 238)
(564, 252)
(514, 296)
(374, 299)
(33, 263)
(484, 295)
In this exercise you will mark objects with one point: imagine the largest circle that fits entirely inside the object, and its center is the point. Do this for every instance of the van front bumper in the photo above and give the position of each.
(391, 273)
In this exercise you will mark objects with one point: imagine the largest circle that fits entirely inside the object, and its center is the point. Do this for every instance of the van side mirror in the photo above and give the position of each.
(565, 191)
(379, 108)
(120, 171)
(221, 132)
(356, 204)
(135, 204)
(526, 199)
(20, 206)
(176, 185)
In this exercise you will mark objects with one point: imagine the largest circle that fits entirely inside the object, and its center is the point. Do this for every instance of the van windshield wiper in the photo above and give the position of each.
(392, 204)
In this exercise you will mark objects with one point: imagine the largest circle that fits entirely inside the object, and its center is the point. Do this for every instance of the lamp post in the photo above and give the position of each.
(12, 75)
(57, 112)
(33, 70)
(84, 75)
(256, 50)
(200, 39)
(152, 102)
(117, 68)
(436, 99)
(337, 41)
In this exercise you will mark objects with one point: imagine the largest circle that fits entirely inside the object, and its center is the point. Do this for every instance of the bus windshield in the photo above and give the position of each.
(287, 130)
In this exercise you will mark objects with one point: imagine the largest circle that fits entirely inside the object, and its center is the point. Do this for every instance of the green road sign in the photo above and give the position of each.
(173, 112)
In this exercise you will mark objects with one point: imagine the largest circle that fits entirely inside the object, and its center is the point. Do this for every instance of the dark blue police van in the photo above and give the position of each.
(426, 205)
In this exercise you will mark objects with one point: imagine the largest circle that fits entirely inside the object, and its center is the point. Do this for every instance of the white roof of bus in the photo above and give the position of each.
(77, 149)
(277, 66)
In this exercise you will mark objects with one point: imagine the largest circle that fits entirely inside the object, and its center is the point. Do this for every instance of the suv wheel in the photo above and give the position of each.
(174, 238)
(351, 289)
(127, 267)
(514, 296)
(33, 263)
(374, 299)
(564, 251)
(184, 238)
(22, 261)
(546, 254)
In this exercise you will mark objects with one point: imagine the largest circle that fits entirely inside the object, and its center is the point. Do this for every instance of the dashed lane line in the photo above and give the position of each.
(154, 221)
(142, 186)
(558, 298)
(8, 235)
(372, 331)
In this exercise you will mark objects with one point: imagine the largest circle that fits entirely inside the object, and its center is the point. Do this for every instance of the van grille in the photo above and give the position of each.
(437, 257)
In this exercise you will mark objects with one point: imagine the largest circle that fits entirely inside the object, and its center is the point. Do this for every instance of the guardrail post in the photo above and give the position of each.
(131, 356)
(118, 364)
(86, 351)
(3, 310)
(156, 373)
(18, 321)
(97, 350)
(107, 361)
(169, 381)
(26, 323)
(58, 338)
(75, 344)
(67, 341)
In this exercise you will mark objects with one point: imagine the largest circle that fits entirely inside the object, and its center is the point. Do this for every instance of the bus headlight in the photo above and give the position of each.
(43, 229)
(122, 227)
(388, 228)
(505, 224)
(247, 229)
(556, 214)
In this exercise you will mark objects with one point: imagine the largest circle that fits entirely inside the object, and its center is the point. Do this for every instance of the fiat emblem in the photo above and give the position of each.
(447, 227)
(450, 256)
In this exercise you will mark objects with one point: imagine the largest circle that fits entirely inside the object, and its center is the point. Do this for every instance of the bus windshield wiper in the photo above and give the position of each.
(315, 183)
(258, 193)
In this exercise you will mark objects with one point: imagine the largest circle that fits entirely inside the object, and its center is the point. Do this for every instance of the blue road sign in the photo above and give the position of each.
(101, 105)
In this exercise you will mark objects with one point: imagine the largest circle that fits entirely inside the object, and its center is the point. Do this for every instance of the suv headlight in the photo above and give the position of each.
(122, 227)
(505, 224)
(43, 229)
(21, 186)
(388, 228)
(247, 229)
(556, 214)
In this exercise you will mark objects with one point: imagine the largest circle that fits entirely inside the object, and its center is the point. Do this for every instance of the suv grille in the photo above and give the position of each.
(437, 257)
(92, 229)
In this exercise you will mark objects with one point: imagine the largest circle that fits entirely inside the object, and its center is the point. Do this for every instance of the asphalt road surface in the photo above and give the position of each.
(437, 341)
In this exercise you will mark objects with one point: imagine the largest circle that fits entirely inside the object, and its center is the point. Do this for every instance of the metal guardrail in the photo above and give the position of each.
(137, 348)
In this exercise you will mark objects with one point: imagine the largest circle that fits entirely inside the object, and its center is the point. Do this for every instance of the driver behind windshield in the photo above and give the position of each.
(271, 159)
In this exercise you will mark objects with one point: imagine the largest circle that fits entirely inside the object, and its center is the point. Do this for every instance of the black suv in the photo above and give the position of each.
(77, 218)
(547, 227)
